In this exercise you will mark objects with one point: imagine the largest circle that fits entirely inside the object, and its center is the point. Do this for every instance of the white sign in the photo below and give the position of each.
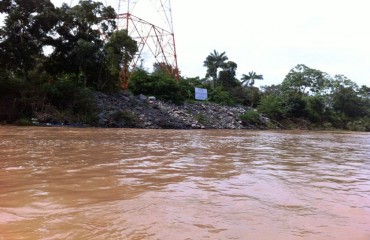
(201, 94)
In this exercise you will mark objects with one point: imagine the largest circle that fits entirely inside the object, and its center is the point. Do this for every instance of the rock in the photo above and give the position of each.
(125, 110)
(152, 98)
(101, 115)
(102, 122)
(142, 98)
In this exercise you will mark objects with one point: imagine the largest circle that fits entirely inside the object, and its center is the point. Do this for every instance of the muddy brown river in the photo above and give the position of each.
(70, 183)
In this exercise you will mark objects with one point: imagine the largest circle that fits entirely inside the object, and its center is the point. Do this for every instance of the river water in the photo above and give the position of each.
(69, 183)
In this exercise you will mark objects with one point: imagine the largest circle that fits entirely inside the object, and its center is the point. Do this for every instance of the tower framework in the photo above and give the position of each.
(154, 36)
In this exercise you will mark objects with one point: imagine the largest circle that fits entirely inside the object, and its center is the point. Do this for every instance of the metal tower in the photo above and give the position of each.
(154, 35)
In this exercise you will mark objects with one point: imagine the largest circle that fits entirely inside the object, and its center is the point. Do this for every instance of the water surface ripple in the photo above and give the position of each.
(66, 183)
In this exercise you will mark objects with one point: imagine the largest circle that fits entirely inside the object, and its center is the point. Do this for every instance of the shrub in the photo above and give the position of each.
(67, 94)
(362, 124)
(251, 117)
(272, 106)
(160, 85)
(201, 118)
(296, 106)
(221, 96)
(125, 118)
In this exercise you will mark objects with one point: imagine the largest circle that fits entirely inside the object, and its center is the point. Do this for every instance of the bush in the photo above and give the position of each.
(68, 95)
(251, 117)
(187, 87)
(125, 118)
(23, 122)
(201, 118)
(362, 125)
(221, 96)
(160, 85)
(315, 108)
(296, 106)
(272, 106)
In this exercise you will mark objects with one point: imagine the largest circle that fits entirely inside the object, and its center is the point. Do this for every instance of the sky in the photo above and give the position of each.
(271, 37)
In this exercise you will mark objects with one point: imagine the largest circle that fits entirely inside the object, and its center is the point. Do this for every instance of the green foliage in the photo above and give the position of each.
(67, 94)
(252, 96)
(302, 79)
(160, 85)
(118, 52)
(249, 80)
(56, 86)
(83, 51)
(226, 77)
(23, 122)
(126, 116)
(362, 124)
(271, 90)
(201, 118)
(187, 87)
(316, 109)
(220, 95)
(346, 101)
(213, 62)
(10, 85)
(27, 24)
(272, 106)
(251, 117)
(295, 106)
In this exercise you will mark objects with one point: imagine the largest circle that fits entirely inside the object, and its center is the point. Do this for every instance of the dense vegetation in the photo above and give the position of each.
(52, 59)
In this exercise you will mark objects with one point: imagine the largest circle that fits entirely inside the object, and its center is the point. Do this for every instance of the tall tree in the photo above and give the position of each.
(78, 41)
(119, 51)
(302, 79)
(347, 101)
(27, 27)
(227, 75)
(249, 80)
(213, 63)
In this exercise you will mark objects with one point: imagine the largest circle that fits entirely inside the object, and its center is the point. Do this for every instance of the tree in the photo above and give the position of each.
(301, 78)
(249, 80)
(347, 101)
(214, 62)
(316, 109)
(86, 57)
(253, 95)
(272, 106)
(271, 90)
(227, 77)
(120, 50)
(340, 81)
(295, 105)
(27, 27)
(78, 39)
(159, 85)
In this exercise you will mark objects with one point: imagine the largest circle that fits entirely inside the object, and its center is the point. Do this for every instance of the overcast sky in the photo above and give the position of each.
(270, 37)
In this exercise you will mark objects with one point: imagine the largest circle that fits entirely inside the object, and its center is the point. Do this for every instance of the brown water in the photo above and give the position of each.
(63, 183)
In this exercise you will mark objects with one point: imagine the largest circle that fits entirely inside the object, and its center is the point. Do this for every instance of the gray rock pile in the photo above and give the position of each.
(125, 110)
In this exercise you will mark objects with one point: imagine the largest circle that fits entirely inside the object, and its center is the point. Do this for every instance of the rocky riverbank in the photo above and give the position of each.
(125, 110)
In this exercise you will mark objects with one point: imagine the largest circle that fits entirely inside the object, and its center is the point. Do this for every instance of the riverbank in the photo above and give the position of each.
(125, 110)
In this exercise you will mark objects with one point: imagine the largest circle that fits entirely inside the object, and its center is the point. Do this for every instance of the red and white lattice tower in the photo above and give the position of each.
(149, 23)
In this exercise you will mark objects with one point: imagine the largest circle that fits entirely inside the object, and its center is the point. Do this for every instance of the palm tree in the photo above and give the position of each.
(249, 80)
(213, 62)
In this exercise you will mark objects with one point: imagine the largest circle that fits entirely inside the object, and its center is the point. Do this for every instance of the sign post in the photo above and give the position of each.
(201, 94)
